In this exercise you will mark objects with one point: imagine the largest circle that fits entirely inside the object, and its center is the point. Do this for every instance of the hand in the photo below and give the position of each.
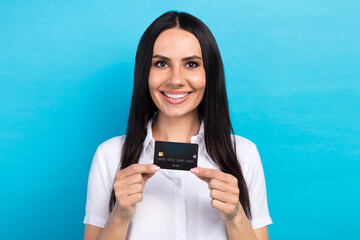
(129, 185)
(224, 191)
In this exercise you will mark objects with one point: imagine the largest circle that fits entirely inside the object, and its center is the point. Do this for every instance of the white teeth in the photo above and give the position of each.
(176, 96)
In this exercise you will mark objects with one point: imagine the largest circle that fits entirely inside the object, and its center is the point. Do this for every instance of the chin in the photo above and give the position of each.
(176, 113)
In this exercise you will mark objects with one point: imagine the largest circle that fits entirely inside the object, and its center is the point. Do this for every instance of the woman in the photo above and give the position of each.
(179, 96)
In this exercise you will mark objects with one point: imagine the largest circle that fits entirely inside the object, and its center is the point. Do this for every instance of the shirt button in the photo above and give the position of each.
(177, 183)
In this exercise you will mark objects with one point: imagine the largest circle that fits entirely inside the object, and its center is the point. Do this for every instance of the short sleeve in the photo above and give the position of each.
(257, 191)
(98, 192)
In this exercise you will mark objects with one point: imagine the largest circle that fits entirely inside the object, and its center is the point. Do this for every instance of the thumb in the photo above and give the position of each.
(148, 175)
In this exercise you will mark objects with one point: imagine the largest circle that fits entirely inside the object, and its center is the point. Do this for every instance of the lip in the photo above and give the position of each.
(175, 101)
(175, 92)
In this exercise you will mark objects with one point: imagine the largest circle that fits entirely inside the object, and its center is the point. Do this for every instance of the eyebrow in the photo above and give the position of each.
(184, 59)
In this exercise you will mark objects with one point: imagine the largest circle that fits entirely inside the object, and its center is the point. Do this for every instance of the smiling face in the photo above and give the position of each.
(177, 76)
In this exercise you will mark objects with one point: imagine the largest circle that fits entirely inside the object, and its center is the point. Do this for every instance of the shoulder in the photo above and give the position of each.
(108, 153)
(244, 146)
(112, 144)
(243, 143)
(246, 152)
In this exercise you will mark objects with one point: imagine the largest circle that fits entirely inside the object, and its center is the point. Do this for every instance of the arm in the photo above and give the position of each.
(92, 232)
(224, 192)
(239, 228)
(115, 228)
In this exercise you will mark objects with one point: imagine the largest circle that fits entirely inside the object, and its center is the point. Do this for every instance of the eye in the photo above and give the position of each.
(161, 64)
(192, 64)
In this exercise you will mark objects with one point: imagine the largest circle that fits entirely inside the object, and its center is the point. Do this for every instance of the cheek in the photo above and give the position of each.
(152, 82)
(152, 87)
(199, 82)
(155, 79)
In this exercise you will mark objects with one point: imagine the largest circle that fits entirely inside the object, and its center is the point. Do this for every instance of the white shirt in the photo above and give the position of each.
(176, 204)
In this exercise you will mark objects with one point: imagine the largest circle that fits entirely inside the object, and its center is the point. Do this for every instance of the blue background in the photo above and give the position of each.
(292, 71)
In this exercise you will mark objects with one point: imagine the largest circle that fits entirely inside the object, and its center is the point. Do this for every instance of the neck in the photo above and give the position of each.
(175, 129)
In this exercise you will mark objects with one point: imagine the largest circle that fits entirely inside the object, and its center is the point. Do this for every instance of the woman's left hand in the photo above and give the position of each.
(224, 191)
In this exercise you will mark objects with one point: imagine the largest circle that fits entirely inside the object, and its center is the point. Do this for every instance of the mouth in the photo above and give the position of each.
(175, 97)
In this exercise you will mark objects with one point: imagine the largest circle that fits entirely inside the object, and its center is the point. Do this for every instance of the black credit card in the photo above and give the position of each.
(174, 155)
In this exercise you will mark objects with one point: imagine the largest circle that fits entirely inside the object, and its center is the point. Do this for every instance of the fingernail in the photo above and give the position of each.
(194, 170)
(155, 168)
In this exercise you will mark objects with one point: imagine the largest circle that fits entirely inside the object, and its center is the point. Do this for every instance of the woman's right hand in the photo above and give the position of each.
(129, 185)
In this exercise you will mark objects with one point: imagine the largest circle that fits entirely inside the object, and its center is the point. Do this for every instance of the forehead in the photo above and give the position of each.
(176, 42)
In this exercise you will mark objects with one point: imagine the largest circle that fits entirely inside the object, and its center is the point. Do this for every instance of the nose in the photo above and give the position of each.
(176, 77)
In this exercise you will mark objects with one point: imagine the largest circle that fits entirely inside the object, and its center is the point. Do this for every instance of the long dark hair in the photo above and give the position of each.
(213, 109)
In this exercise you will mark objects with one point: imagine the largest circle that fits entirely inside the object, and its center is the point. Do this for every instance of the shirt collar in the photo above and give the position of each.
(149, 141)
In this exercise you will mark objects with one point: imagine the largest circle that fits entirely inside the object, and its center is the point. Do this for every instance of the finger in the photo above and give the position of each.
(224, 187)
(137, 168)
(207, 180)
(212, 174)
(146, 176)
(224, 197)
(128, 201)
(135, 198)
(132, 189)
(229, 210)
(132, 179)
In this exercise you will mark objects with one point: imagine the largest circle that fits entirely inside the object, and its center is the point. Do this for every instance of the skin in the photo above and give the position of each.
(177, 67)
(175, 71)
(224, 192)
